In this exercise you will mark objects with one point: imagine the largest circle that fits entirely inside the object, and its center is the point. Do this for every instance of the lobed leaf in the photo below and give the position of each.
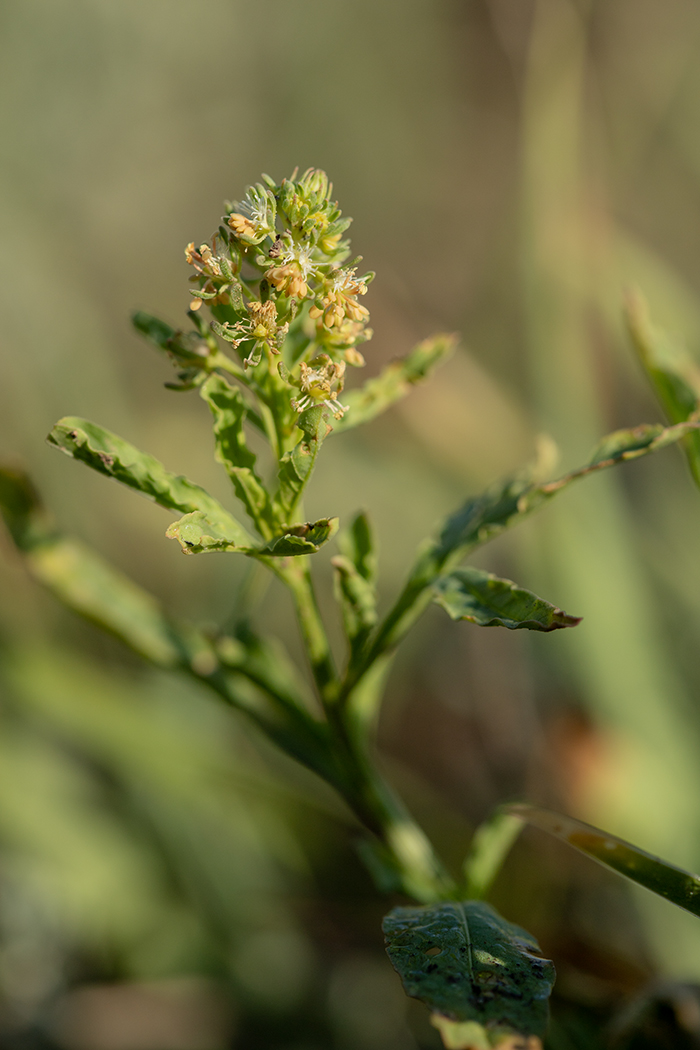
(674, 884)
(109, 454)
(229, 409)
(472, 969)
(673, 374)
(394, 382)
(355, 572)
(489, 601)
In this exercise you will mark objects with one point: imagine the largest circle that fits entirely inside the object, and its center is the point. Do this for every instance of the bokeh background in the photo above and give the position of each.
(166, 881)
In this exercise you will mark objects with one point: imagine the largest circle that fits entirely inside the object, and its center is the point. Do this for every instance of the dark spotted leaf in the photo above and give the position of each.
(483, 977)
(489, 601)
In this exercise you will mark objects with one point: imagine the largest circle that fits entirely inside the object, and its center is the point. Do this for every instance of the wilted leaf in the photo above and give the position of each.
(198, 535)
(674, 884)
(489, 601)
(111, 455)
(394, 382)
(470, 966)
(673, 374)
(306, 538)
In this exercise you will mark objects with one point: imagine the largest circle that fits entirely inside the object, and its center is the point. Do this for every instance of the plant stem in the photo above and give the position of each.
(297, 576)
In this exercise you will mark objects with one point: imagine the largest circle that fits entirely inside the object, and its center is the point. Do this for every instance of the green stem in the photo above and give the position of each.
(297, 576)
(405, 853)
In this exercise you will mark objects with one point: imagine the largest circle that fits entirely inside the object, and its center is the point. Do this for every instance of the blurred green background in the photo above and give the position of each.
(166, 881)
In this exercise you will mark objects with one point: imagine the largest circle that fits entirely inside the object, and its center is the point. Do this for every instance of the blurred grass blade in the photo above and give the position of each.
(671, 371)
(89, 585)
(394, 382)
(111, 455)
(489, 601)
(230, 411)
(490, 846)
(674, 884)
(264, 689)
(472, 969)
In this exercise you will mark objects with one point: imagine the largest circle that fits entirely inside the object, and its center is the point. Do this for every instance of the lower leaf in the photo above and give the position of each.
(482, 977)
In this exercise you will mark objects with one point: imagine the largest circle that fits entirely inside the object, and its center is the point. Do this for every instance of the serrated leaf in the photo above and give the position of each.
(673, 374)
(111, 455)
(489, 601)
(468, 965)
(230, 411)
(305, 538)
(394, 382)
(297, 466)
(665, 879)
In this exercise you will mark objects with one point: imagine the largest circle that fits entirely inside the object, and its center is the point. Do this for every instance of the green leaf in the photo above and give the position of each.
(484, 517)
(358, 545)
(354, 583)
(674, 884)
(394, 382)
(306, 538)
(673, 374)
(297, 466)
(489, 601)
(183, 349)
(111, 455)
(489, 847)
(198, 535)
(230, 411)
(469, 966)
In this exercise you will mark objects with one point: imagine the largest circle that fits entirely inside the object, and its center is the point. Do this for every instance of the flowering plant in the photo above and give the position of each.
(285, 320)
